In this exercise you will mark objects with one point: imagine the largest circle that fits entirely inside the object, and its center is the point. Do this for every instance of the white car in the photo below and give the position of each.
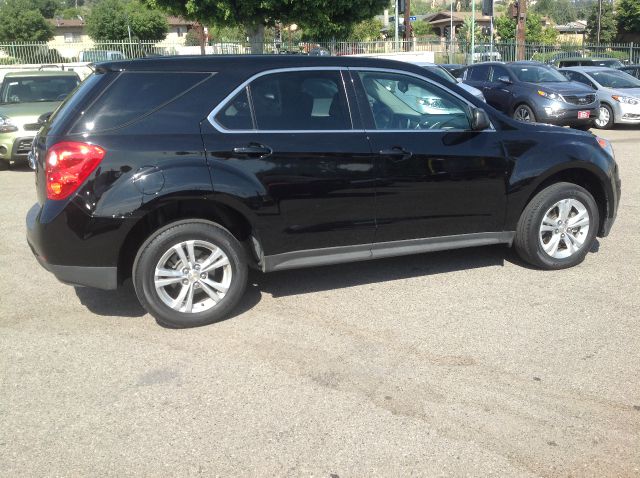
(618, 92)
(444, 74)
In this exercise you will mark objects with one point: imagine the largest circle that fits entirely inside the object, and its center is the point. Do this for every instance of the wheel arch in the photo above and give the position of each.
(581, 176)
(236, 222)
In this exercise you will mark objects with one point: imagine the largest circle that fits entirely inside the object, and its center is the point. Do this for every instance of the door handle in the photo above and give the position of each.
(253, 151)
(396, 153)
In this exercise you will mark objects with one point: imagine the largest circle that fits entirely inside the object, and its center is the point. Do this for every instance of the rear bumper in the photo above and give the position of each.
(101, 277)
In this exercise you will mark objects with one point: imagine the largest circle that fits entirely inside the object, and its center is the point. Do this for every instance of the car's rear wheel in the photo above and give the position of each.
(190, 273)
(605, 117)
(524, 113)
(558, 227)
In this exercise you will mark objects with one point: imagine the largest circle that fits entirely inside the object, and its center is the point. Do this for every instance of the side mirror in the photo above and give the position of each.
(505, 79)
(479, 120)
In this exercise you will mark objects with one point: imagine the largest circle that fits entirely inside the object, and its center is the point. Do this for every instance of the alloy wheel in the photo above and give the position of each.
(564, 228)
(603, 117)
(192, 276)
(522, 114)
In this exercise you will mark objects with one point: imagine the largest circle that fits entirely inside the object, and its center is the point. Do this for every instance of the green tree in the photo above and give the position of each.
(421, 29)
(560, 11)
(319, 17)
(534, 31)
(628, 13)
(608, 24)
(367, 30)
(110, 19)
(20, 20)
(48, 8)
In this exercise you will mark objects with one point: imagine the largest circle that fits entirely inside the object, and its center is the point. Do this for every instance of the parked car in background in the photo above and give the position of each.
(580, 61)
(618, 92)
(281, 162)
(25, 99)
(454, 68)
(445, 75)
(533, 92)
(96, 56)
(633, 70)
(485, 53)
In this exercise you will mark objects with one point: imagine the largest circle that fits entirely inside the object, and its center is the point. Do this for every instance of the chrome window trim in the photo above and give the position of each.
(211, 116)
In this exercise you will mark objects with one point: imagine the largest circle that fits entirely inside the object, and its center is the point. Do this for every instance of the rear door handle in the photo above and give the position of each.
(396, 153)
(253, 151)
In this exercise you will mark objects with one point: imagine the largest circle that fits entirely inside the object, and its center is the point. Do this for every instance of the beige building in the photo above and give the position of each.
(70, 36)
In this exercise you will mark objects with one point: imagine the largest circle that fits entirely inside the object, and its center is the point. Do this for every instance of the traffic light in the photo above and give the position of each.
(487, 8)
(401, 6)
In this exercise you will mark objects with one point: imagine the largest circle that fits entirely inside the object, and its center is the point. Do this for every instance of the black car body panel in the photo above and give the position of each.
(294, 197)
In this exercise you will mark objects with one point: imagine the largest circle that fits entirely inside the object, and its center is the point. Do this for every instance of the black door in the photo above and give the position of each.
(290, 137)
(435, 176)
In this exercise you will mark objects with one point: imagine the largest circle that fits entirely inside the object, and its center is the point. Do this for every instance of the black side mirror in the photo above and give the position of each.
(479, 120)
(505, 79)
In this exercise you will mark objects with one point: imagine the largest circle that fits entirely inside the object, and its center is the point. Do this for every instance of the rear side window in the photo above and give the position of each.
(300, 101)
(133, 95)
(478, 73)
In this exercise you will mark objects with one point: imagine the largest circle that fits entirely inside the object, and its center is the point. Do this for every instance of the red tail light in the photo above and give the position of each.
(68, 164)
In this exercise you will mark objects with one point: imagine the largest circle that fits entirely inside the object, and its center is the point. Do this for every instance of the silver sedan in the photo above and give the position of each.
(618, 92)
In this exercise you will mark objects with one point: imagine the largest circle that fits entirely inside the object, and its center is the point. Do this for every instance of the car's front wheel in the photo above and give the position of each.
(605, 117)
(558, 227)
(524, 113)
(190, 273)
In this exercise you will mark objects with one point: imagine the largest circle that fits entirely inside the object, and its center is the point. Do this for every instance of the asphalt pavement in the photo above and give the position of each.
(461, 363)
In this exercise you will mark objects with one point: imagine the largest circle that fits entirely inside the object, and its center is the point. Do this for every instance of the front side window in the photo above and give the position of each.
(498, 72)
(574, 76)
(311, 100)
(402, 102)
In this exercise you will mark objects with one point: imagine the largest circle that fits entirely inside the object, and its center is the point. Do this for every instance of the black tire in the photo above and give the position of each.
(527, 241)
(525, 109)
(609, 124)
(162, 241)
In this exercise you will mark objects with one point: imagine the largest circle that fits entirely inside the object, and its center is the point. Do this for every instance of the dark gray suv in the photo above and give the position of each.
(534, 92)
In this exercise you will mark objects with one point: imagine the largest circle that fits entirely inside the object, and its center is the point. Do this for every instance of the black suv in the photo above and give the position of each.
(533, 92)
(184, 172)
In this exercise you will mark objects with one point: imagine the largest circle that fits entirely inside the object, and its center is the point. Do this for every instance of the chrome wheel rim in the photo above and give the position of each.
(564, 228)
(192, 276)
(603, 117)
(522, 114)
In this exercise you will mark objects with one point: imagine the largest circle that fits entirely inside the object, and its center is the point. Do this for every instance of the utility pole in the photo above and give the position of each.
(451, 34)
(473, 29)
(520, 29)
(407, 25)
(396, 21)
(599, 19)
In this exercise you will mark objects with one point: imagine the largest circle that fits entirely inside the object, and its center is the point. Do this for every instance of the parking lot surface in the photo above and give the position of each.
(447, 364)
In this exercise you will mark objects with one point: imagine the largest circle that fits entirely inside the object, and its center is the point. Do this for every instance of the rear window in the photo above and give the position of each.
(133, 95)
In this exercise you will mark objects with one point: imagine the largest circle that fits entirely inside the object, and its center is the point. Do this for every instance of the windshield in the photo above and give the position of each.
(37, 89)
(615, 79)
(442, 73)
(537, 74)
(608, 63)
